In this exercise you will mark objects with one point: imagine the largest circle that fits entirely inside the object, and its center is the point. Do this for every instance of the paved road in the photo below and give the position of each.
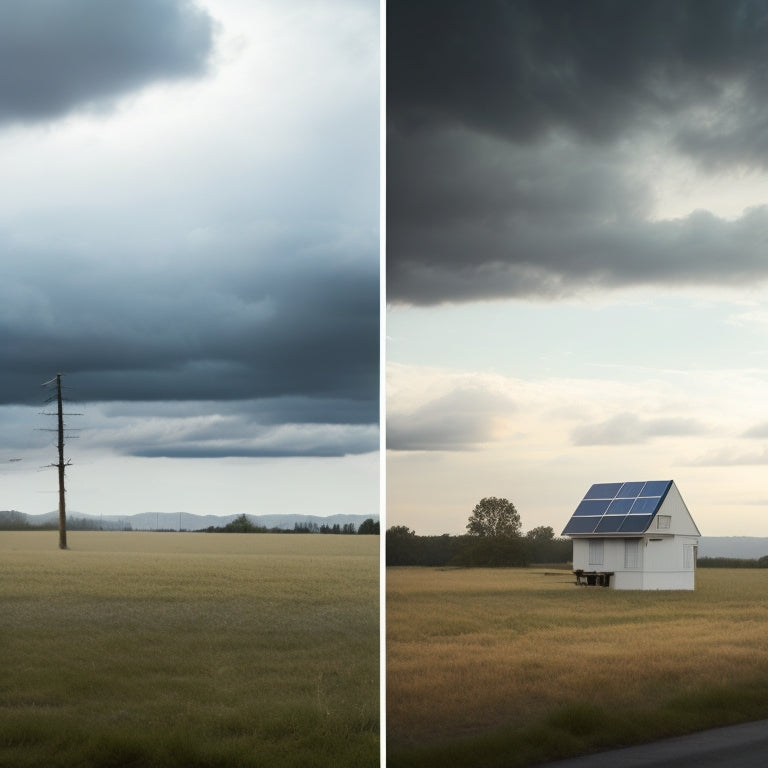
(737, 746)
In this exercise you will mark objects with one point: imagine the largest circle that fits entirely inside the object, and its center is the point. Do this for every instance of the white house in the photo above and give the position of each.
(636, 535)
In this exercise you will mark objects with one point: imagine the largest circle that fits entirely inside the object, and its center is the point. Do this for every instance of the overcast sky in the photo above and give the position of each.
(189, 228)
(577, 256)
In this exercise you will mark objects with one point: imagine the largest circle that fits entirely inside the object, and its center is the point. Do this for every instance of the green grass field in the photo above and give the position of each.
(510, 667)
(181, 649)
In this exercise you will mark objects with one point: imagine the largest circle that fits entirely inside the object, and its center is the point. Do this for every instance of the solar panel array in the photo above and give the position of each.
(615, 508)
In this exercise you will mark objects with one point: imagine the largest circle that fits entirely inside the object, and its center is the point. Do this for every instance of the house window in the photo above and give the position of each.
(664, 521)
(631, 553)
(596, 552)
(688, 559)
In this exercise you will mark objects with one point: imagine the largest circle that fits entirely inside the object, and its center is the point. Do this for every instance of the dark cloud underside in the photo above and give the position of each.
(61, 55)
(513, 133)
(306, 331)
(520, 69)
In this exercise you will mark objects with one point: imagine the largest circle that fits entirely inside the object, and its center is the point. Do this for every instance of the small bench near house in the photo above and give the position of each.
(593, 578)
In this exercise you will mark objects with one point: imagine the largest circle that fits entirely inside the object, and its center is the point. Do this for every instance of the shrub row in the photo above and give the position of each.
(404, 547)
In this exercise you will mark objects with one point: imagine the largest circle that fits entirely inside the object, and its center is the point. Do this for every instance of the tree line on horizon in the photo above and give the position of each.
(11, 520)
(494, 538)
(243, 524)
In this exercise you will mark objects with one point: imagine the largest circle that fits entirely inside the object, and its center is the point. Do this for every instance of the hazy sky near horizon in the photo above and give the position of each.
(189, 227)
(577, 257)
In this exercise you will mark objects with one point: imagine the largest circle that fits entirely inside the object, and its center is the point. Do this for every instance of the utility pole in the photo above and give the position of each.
(62, 500)
(61, 464)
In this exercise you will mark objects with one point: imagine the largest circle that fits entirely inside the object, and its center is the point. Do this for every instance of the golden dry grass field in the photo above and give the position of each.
(511, 667)
(184, 649)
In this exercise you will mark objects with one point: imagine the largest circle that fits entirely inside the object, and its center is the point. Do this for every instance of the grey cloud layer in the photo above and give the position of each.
(218, 262)
(626, 429)
(60, 56)
(293, 344)
(296, 329)
(512, 129)
(459, 420)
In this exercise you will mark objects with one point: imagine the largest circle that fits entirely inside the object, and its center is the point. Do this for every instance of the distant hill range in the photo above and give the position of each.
(741, 547)
(173, 521)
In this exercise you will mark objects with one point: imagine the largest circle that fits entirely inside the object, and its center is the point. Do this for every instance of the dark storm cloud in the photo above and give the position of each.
(300, 336)
(521, 69)
(61, 55)
(513, 126)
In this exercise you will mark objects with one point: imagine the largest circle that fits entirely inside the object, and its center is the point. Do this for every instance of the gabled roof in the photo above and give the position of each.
(618, 508)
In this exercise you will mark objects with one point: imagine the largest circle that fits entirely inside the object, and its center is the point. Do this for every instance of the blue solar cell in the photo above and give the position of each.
(630, 490)
(655, 488)
(619, 507)
(581, 525)
(610, 523)
(645, 506)
(636, 523)
(603, 491)
(592, 507)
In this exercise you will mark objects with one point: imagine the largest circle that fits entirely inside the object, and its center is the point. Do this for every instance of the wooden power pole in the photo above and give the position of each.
(61, 464)
(62, 499)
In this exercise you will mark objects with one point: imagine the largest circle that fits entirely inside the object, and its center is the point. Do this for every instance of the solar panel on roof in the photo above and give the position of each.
(603, 491)
(630, 490)
(618, 507)
(610, 524)
(592, 507)
(645, 505)
(635, 523)
(655, 488)
(581, 525)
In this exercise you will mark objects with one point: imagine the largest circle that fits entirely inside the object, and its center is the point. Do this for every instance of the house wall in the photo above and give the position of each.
(612, 559)
(661, 555)
(661, 563)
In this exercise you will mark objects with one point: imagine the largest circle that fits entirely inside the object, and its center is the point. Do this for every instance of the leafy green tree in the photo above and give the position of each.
(401, 546)
(369, 526)
(544, 547)
(400, 532)
(541, 534)
(493, 518)
(242, 525)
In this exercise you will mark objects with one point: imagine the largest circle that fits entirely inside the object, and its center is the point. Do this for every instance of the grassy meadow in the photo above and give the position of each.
(183, 649)
(511, 667)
